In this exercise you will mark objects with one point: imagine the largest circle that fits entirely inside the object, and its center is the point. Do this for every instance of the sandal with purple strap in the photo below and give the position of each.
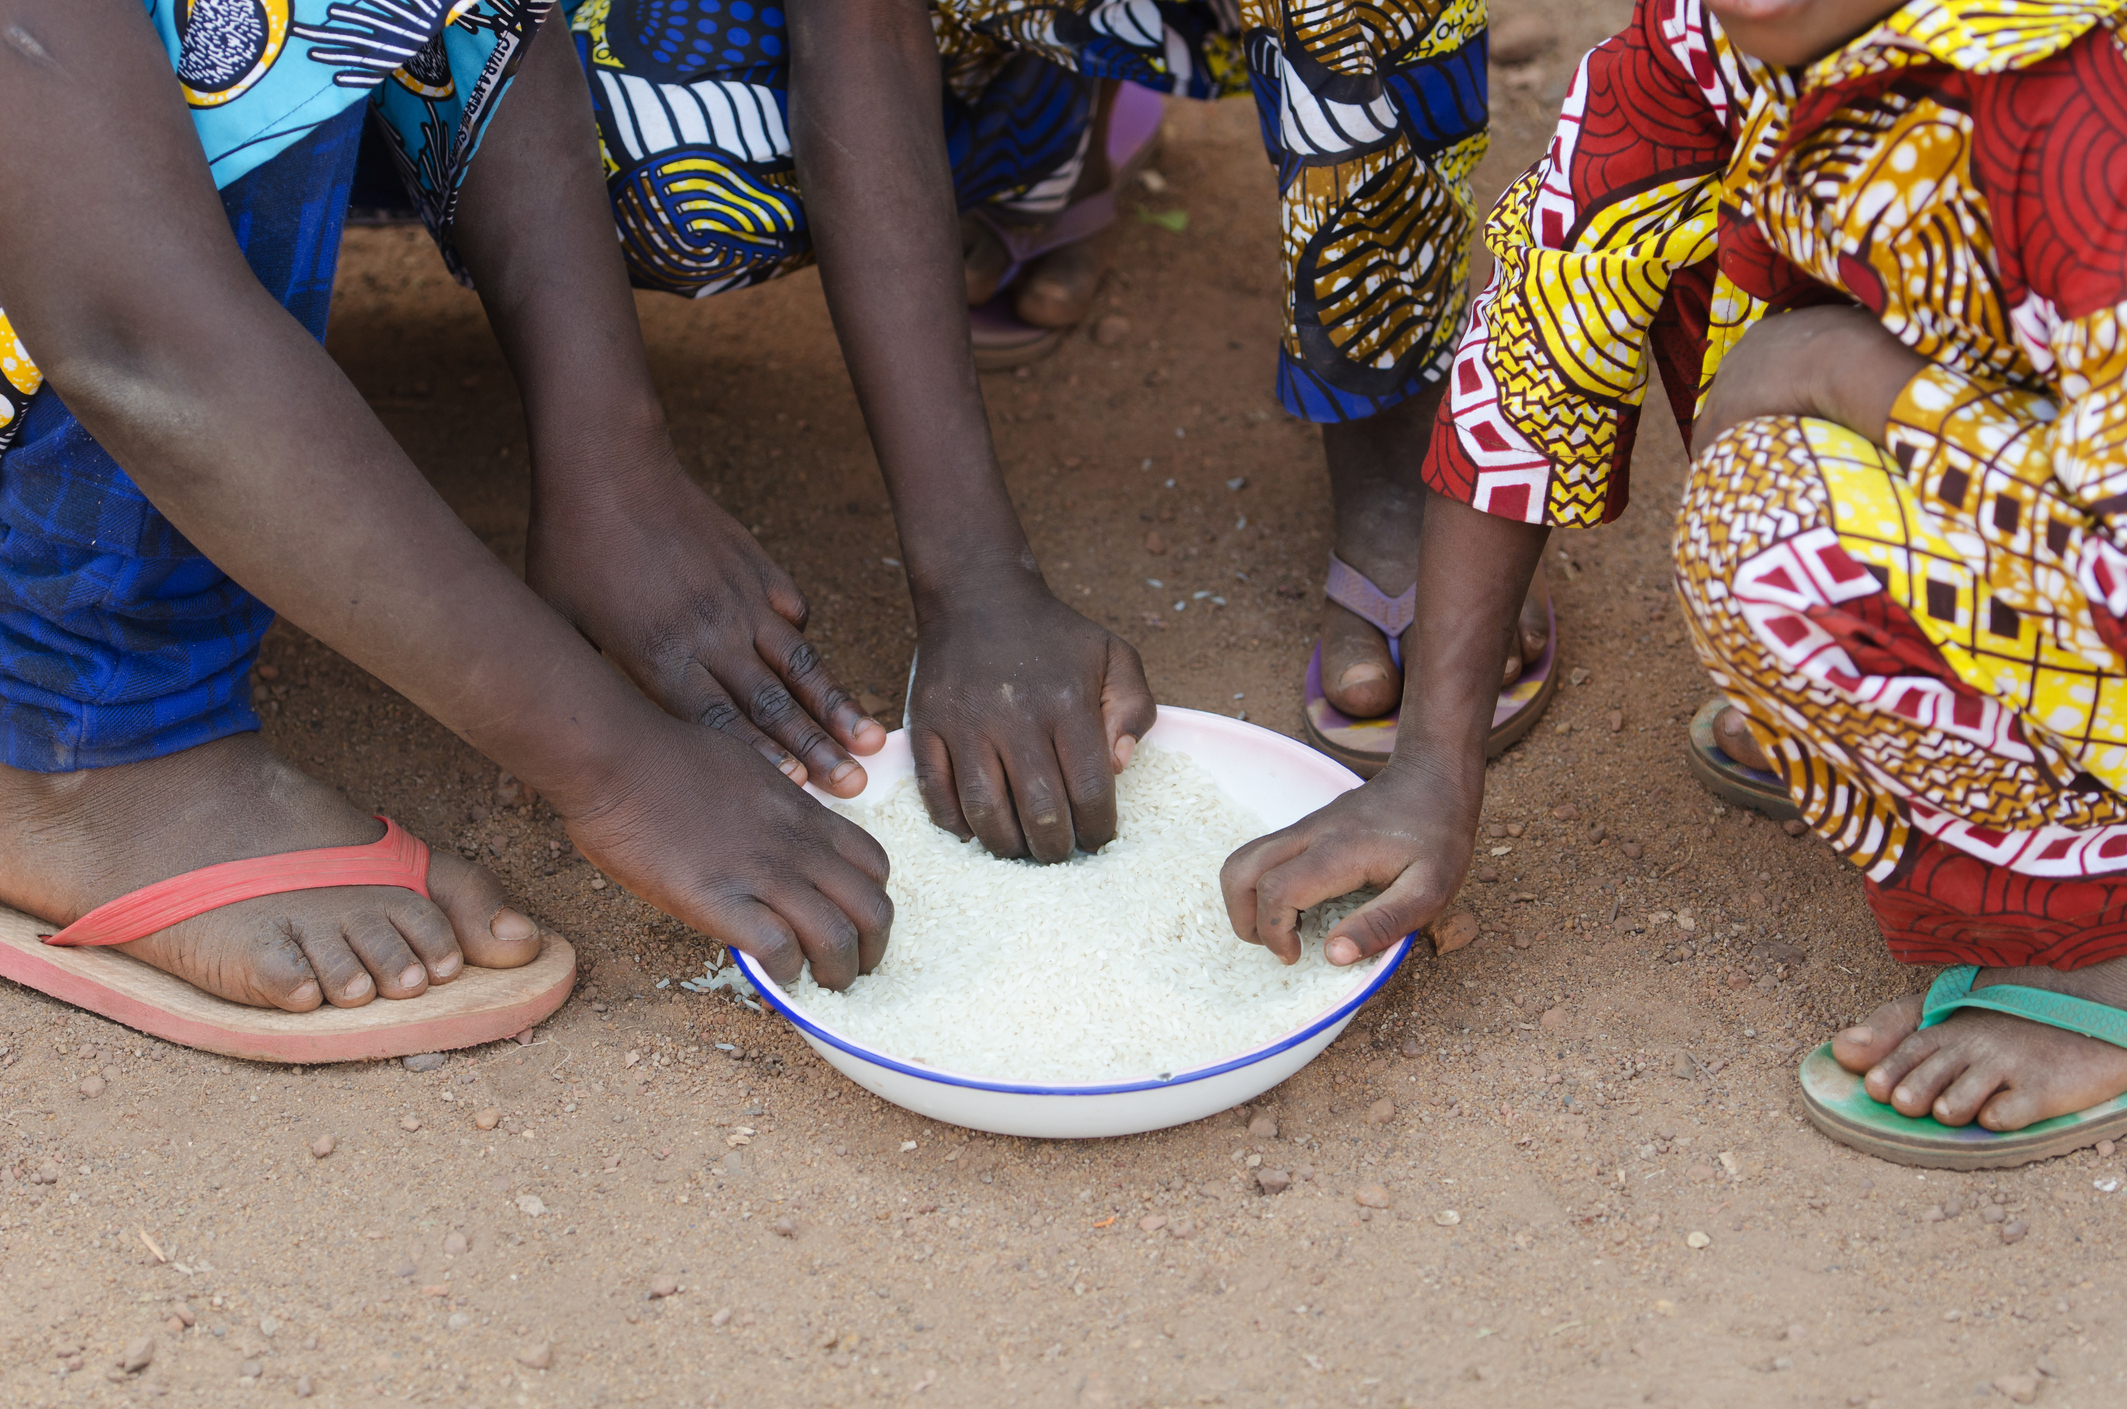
(1364, 745)
(1002, 338)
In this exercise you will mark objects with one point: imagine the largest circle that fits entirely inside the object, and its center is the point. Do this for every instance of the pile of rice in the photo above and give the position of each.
(1113, 967)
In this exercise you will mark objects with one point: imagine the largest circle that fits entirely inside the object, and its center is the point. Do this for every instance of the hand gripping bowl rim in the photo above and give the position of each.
(1341, 1011)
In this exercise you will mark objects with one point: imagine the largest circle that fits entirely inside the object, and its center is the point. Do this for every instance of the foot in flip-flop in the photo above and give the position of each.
(1992, 1069)
(74, 841)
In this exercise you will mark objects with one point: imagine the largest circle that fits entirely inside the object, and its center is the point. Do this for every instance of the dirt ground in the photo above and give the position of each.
(1606, 1073)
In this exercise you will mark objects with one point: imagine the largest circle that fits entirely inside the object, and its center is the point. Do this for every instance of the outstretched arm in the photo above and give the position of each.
(241, 430)
(1023, 711)
(622, 542)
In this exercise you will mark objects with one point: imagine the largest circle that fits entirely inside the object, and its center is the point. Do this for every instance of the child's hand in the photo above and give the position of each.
(1836, 364)
(707, 832)
(1022, 714)
(646, 565)
(1410, 831)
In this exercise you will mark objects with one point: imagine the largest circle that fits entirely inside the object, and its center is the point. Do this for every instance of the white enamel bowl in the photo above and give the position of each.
(1277, 778)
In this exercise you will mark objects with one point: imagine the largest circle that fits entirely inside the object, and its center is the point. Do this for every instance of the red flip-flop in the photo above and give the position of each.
(78, 966)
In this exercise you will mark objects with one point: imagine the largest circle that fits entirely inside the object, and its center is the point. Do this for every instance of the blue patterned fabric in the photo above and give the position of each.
(119, 641)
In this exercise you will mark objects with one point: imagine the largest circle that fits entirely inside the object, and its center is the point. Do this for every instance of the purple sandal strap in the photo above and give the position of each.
(1354, 591)
(1133, 126)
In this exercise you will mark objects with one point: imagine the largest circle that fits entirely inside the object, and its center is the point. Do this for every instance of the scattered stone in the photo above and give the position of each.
(662, 1287)
(459, 1320)
(1454, 930)
(1263, 1127)
(1553, 1019)
(1273, 1181)
(1183, 1229)
(2013, 1231)
(2019, 1389)
(1371, 1196)
(2106, 1149)
(323, 1146)
(1699, 1173)
(1447, 1218)
(531, 1205)
(1155, 544)
(47, 1173)
(250, 1370)
(722, 1316)
(1683, 1068)
(424, 1061)
(174, 1326)
(487, 1119)
(536, 1356)
(1412, 1047)
(1617, 721)
(1932, 1214)
(785, 1227)
(1993, 1213)
(455, 1244)
(138, 1355)
(182, 1314)
(1696, 1240)
(92, 1086)
(1794, 826)
(1520, 38)
(269, 1327)
(1632, 849)
(409, 1124)
(512, 791)
(1151, 1223)
(1109, 331)
(304, 1388)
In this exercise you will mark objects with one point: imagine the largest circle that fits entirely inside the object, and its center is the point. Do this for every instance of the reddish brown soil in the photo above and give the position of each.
(978, 1271)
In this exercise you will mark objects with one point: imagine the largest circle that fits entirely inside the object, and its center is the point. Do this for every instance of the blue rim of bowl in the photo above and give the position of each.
(772, 995)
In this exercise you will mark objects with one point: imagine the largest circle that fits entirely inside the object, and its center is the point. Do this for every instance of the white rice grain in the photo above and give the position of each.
(1113, 967)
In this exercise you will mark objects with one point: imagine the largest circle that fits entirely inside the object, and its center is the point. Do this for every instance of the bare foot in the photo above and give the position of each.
(71, 841)
(2004, 1072)
(1736, 740)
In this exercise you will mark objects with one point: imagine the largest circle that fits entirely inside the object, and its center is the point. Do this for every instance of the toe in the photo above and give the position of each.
(385, 954)
(490, 932)
(1962, 1101)
(1884, 1076)
(428, 933)
(346, 982)
(1357, 673)
(1862, 1046)
(279, 975)
(1916, 1092)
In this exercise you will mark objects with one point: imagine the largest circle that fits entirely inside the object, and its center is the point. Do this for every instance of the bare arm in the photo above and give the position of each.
(1022, 708)
(241, 430)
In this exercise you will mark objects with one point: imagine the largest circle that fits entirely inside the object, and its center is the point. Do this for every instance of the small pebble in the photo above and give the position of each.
(511, 791)
(1371, 1196)
(1412, 1047)
(722, 1317)
(138, 1355)
(1617, 720)
(2019, 1389)
(1794, 826)
(1273, 1181)
(455, 1244)
(1993, 1213)
(1932, 1214)
(662, 1287)
(785, 1227)
(1553, 1019)
(487, 1119)
(1155, 544)
(2106, 1149)
(425, 1061)
(1151, 1223)
(269, 1327)
(304, 1388)
(174, 1326)
(1632, 849)
(2013, 1231)
(1381, 1112)
(1453, 931)
(1447, 1218)
(1263, 1127)
(536, 1356)
(409, 1124)
(1566, 812)
(459, 1321)
(250, 1370)
(1697, 1240)
(92, 1086)
(323, 1146)
(1109, 331)
(182, 1313)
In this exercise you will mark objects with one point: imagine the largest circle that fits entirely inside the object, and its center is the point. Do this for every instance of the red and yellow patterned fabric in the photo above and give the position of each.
(1930, 636)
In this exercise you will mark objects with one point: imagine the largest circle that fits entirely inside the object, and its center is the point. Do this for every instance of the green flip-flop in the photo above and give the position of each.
(1839, 1105)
